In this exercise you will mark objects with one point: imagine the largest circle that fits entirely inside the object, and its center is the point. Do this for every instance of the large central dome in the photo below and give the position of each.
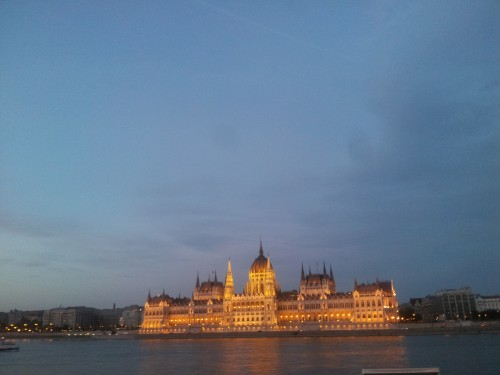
(260, 263)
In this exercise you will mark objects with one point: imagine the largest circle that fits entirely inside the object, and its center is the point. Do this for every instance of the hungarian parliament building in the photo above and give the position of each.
(215, 307)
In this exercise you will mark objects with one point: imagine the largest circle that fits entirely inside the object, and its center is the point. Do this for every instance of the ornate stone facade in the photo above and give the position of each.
(374, 302)
(262, 306)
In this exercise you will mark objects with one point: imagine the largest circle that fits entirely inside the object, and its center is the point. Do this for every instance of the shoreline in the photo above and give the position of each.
(390, 332)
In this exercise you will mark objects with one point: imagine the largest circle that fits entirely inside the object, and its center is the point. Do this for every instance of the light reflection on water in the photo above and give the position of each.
(319, 355)
(457, 354)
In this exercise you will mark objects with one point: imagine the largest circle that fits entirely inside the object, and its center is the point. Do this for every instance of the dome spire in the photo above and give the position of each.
(261, 250)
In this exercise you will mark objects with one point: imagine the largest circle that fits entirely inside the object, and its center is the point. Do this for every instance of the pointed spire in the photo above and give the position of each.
(163, 293)
(197, 279)
(229, 284)
(310, 270)
(324, 268)
(268, 264)
(302, 275)
(149, 295)
(215, 277)
(261, 250)
(355, 283)
(209, 277)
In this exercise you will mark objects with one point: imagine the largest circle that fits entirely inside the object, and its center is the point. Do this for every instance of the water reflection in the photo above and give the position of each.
(455, 354)
(307, 355)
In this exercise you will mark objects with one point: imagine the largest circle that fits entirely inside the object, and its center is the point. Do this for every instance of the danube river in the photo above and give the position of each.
(453, 354)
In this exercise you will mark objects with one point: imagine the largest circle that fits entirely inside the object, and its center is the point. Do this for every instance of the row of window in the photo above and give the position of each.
(252, 304)
(248, 308)
(249, 314)
(310, 306)
(368, 303)
(340, 305)
(217, 309)
(368, 316)
(251, 319)
(153, 312)
(313, 318)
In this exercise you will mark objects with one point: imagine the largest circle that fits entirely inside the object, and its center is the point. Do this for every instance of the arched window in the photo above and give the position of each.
(362, 303)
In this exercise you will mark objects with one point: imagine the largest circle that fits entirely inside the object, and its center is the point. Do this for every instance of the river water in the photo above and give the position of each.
(453, 354)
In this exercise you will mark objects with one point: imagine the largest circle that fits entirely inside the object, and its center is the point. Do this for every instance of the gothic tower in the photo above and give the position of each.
(229, 284)
(227, 304)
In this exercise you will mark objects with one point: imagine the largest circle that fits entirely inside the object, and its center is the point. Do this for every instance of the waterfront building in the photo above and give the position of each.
(262, 306)
(457, 303)
(374, 302)
(256, 307)
(446, 304)
(132, 317)
(18, 316)
(79, 317)
(317, 284)
(109, 318)
(207, 290)
(487, 303)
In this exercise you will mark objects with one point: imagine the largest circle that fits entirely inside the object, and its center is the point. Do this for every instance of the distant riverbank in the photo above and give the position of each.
(396, 330)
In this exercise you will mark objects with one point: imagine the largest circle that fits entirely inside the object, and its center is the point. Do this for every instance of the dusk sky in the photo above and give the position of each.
(142, 142)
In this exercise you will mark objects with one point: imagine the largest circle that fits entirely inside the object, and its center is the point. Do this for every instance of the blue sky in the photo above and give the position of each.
(143, 142)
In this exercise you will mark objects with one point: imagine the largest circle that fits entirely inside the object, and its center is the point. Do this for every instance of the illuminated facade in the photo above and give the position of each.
(374, 302)
(214, 307)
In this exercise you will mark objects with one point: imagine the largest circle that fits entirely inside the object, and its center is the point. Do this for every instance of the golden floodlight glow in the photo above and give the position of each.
(260, 305)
